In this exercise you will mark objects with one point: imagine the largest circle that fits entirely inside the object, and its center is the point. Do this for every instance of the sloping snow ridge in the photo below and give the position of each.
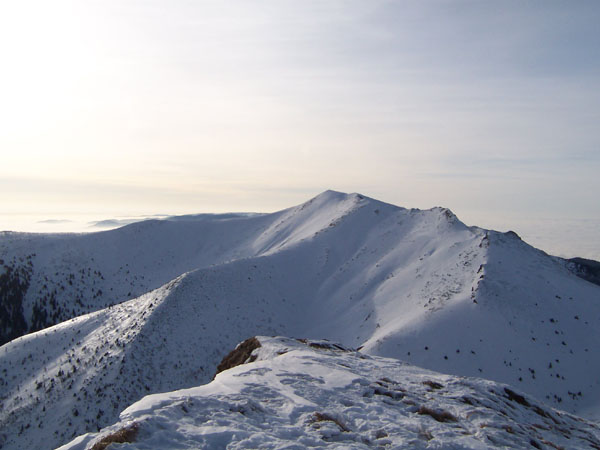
(320, 395)
(414, 285)
(54, 277)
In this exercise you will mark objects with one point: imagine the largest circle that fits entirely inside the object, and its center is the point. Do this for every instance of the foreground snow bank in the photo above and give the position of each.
(298, 394)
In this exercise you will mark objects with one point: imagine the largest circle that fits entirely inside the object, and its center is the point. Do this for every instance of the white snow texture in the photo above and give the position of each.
(416, 286)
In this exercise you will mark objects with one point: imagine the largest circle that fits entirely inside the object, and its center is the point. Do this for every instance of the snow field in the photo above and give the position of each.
(414, 285)
(298, 395)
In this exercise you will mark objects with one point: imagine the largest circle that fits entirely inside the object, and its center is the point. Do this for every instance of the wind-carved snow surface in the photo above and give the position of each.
(415, 285)
(315, 394)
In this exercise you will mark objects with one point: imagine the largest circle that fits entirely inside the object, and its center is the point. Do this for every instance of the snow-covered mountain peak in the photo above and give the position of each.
(416, 285)
(306, 220)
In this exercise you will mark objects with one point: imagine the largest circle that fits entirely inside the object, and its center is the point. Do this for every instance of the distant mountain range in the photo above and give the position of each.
(419, 286)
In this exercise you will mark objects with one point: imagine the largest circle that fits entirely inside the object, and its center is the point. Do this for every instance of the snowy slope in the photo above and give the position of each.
(314, 394)
(415, 285)
(77, 376)
(49, 278)
(529, 323)
(71, 274)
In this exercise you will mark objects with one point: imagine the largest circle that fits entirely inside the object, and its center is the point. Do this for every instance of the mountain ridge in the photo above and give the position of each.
(414, 285)
(67, 274)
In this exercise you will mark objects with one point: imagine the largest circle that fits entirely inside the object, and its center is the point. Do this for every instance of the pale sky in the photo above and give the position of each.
(122, 107)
